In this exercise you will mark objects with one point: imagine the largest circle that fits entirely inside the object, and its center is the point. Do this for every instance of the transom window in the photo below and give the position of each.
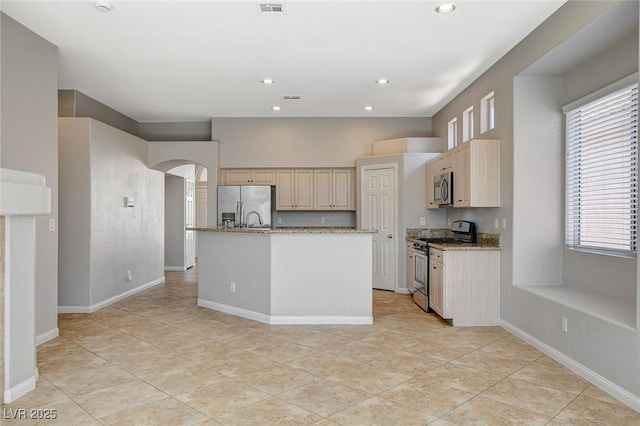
(602, 170)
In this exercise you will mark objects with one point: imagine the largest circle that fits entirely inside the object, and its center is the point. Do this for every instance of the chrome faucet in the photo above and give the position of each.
(246, 220)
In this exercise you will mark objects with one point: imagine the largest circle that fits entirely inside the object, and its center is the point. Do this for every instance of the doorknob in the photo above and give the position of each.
(390, 236)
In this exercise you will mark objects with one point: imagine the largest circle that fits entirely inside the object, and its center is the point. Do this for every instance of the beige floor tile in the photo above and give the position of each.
(322, 364)
(401, 362)
(282, 351)
(324, 398)
(539, 399)
(594, 392)
(269, 412)
(85, 381)
(168, 411)
(369, 378)
(115, 399)
(490, 362)
(585, 410)
(206, 351)
(223, 397)
(239, 364)
(513, 347)
(445, 350)
(177, 339)
(248, 340)
(391, 339)
(377, 411)
(151, 364)
(546, 372)
(65, 364)
(277, 379)
(58, 348)
(429, 397)
(183, 379)
(481, 411)
(462, 378)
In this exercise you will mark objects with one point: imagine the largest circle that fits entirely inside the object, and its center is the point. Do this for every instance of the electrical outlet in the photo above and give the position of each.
(423, 221)
(449, 222)
(52, 225)
(232, 286)
(504, 223)
(129, 276)
(279, 220)
(497, 223)
(322, 219)
(565, 324)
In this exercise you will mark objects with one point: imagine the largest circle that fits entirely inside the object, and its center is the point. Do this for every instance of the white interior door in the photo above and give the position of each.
(201, 205)
(190, 219)
(379, 212)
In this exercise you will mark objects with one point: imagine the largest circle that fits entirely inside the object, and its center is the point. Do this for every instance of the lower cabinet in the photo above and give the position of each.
(464, 286)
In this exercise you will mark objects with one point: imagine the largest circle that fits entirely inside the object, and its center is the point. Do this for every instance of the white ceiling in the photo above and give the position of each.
(193, 60)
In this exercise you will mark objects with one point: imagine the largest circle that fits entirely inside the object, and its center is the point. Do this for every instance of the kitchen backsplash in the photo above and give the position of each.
(481, 237)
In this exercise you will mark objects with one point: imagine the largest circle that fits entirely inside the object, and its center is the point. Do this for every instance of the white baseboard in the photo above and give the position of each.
(46, 336)
(317, 320)
(244, 313)
(20, 389)
(175, 268)
(603, 383)
(281, 319)
(110, 301)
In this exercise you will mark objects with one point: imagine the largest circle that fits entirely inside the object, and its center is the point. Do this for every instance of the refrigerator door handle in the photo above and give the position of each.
(238, 217)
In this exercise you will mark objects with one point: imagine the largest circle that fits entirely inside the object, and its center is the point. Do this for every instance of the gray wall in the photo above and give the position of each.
(606, 348)
(29, 80)
(176, 131)
(120, 239)
(306, 142)
(174, 221)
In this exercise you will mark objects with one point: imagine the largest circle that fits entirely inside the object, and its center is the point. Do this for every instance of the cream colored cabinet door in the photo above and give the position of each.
(436, 287)
(263, 177)
(333, 189)
(323, 189)
(461, 180)
(237, 176)
(294, 189)
(303, 190)
(285, 189)
(249, 177)
(343, 189)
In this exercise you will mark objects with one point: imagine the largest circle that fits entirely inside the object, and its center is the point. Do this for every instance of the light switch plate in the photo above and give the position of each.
(52, 225)
(423, 221)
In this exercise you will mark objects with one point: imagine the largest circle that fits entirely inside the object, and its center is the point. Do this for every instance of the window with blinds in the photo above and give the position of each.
(602, 172)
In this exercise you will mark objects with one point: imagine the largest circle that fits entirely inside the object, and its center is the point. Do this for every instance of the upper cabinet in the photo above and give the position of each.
(248, 177)
(333, 189)
(294, 189)
(476, 174)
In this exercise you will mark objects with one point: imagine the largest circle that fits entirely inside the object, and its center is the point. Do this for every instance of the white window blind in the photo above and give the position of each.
(602, 173)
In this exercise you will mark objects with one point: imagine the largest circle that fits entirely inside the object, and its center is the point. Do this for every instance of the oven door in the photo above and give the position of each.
(420, 261)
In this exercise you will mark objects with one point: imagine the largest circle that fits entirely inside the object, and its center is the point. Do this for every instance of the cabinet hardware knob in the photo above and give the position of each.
(390, 236)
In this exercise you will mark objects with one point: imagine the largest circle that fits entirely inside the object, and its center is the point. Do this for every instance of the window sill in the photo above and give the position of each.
(607, 309)
(629, 255)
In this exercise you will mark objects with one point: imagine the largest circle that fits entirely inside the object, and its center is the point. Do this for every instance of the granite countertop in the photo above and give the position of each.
(464, 246)
(485, 242)
(300, 230)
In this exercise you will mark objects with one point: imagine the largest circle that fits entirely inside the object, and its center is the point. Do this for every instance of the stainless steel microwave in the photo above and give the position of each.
(443, 189)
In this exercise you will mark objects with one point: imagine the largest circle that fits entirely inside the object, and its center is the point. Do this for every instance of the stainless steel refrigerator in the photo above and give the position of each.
(247, 205)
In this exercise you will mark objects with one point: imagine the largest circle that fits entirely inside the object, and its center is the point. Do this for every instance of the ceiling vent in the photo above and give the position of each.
(291, 97)
(271, 8)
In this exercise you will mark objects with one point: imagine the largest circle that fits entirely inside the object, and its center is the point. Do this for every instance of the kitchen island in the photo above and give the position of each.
(287, 275)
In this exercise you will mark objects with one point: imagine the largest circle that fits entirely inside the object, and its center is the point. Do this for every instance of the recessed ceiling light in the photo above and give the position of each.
(103, 5)
(368, 108)
(446, 8)
(275, 108)
(268, 81)
(382, 81)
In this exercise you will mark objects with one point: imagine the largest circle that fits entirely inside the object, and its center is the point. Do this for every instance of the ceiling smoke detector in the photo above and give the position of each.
(103, 5)
(271, 8)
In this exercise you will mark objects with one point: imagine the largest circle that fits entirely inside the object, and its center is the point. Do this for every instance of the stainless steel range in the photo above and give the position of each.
(462, 231)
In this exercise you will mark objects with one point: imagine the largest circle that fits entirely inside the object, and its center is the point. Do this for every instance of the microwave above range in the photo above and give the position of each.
(443, 189)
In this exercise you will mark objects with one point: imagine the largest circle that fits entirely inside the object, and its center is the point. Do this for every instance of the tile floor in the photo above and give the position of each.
(157, 358)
